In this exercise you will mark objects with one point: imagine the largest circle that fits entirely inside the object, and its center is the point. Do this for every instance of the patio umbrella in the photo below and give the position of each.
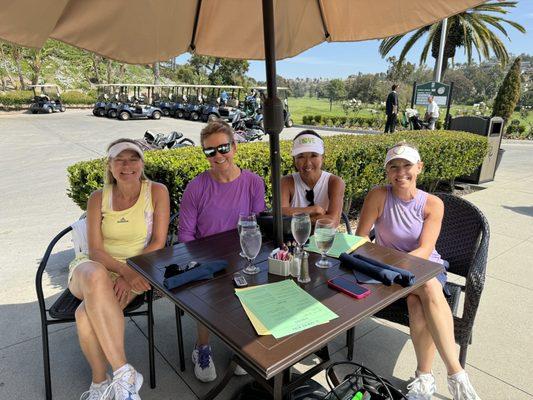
(146, 31)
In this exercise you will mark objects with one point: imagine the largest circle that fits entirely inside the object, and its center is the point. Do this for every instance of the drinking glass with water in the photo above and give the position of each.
(324, 235)
(250, 238)
(245, 220)
(301, 229)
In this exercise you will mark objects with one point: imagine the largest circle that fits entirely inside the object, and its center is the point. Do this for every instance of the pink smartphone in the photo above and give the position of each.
(349, 287)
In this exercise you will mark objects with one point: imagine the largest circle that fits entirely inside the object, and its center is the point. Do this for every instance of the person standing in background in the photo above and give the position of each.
(432, 113)
(391, 109)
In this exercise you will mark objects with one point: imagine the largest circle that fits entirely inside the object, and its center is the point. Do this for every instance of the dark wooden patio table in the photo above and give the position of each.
(214, 303)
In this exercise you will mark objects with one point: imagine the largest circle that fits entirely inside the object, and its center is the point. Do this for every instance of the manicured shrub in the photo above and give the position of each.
(16, 97)
(358, 159)
(75, 97)
(509, 92)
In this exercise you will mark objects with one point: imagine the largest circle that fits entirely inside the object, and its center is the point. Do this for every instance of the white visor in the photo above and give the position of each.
(403, 152)
(118, 148)
(307, 144)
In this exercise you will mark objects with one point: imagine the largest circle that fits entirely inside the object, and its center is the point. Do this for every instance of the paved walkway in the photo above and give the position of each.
(34, 152)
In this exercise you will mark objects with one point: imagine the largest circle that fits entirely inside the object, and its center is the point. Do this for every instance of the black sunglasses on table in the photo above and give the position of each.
(212, 151)
(310, 197)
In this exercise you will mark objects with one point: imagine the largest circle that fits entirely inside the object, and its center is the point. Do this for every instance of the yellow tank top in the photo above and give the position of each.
(126, 233)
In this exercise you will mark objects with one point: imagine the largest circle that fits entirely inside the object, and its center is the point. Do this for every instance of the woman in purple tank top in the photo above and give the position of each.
(408, 219)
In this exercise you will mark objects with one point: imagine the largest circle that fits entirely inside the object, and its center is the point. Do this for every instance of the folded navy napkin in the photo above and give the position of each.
(407, 278)
(201, 272)
(384, 273)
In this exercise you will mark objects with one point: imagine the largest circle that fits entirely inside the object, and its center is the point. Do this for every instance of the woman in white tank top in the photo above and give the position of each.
(311, 190)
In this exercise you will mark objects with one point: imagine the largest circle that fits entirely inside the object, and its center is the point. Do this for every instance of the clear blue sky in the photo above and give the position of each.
(338, 60)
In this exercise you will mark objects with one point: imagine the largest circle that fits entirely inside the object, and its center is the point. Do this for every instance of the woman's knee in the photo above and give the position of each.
(92, 275)
(431, 291)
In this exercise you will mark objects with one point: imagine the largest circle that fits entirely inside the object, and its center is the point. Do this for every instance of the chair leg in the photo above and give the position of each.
(179, 332)
(46, 362)
(350, 339)
(151, 344)
(462, 355)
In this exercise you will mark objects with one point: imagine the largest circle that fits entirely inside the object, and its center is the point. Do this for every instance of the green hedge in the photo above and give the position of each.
(25, 97)
(344, 121)
(16, 97)
(75, 97)
(358, 159)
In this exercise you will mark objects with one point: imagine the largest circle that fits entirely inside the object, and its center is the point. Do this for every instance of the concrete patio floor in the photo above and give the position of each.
(33, 161)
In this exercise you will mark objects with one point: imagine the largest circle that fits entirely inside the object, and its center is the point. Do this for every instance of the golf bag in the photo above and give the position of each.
(362, 380)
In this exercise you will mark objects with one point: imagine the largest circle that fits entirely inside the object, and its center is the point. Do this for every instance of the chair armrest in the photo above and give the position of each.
(42, 266)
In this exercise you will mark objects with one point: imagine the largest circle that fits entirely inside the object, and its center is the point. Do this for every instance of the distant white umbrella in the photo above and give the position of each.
(146, 31)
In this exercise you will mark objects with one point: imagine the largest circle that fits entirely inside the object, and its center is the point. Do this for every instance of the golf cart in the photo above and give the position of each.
(139, 106)
(220, 103)
(119, 95)
(165, 98)
(193, 108)
(230, 105)
(46, 99)
(105, 95)
(178, 110)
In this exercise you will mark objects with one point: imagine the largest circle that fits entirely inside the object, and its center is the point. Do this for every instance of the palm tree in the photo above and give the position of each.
(470, 29)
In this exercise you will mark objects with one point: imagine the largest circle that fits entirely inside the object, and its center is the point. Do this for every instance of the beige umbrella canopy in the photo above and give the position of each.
(145, 31)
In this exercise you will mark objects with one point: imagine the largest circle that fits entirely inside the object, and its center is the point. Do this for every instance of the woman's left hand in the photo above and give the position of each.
(122, 291)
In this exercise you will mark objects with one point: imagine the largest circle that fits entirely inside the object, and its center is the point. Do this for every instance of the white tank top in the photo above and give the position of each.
(320, 190)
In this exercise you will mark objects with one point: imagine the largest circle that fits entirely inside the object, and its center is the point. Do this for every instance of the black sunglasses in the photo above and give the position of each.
(175, 269)
(222, 149)
(310, 197)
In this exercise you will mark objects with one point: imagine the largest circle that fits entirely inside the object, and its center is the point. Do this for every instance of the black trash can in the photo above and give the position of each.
(484, 126)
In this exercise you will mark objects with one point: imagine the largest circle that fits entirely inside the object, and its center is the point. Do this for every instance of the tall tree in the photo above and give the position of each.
(509, 93)
(155, 68)
(335, 90)
(220, 71)
(472, 29)
(16, 54)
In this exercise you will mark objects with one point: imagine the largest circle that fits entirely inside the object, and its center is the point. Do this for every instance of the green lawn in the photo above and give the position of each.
(301, 106)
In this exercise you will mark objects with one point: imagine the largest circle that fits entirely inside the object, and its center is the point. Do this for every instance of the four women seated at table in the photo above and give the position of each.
(130, 216)
(409, 220)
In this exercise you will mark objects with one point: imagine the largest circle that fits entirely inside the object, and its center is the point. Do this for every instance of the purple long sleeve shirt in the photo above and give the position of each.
(210, 207)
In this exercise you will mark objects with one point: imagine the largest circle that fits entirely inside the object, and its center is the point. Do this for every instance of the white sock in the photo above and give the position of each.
(457, 375)
(124, 368)
(419, 373)
(99, 385)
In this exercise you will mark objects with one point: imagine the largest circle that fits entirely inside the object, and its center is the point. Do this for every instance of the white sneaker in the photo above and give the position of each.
(96, 391)
(239, 371)
(204, 367)
(126, 385)
(460, 387)
(422, 388)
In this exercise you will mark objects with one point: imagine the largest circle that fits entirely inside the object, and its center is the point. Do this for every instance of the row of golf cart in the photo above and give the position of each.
(46, 99)
(193, 102)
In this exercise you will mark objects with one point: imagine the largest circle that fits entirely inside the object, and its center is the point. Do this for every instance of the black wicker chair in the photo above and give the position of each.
(463, 242)
(63, 309)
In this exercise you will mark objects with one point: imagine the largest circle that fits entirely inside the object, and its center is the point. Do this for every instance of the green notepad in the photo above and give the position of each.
(343, 243)
(284, 307)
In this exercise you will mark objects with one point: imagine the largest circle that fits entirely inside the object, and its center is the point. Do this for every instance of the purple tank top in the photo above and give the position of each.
(400, 225)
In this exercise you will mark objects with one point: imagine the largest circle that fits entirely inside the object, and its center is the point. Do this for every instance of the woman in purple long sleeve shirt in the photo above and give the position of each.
(211, 204)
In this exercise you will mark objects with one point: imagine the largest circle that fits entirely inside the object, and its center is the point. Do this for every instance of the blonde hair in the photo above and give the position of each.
(109, 179)
(217, 126)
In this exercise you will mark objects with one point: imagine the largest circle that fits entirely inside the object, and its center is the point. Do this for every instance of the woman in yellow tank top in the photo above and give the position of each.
(128, 217)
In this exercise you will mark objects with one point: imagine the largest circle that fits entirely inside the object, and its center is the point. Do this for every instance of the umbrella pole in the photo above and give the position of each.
(273, 116)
